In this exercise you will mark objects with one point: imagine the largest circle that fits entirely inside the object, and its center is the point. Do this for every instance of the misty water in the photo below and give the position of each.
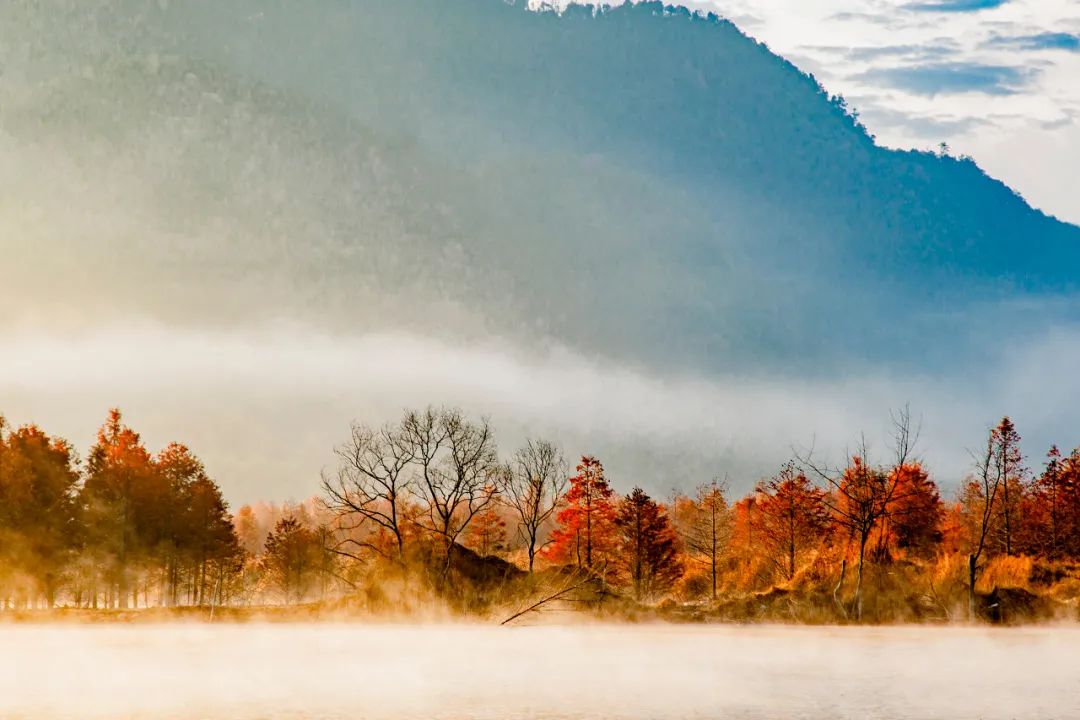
(356, 671)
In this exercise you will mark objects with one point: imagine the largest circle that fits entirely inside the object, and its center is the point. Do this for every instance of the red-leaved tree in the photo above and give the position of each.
(585, 535)
(791, 518)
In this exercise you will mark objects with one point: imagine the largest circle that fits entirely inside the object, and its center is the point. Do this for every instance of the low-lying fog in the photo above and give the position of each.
(353, 671)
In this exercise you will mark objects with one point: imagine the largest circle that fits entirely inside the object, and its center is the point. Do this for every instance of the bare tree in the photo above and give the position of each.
(990, 474)
(861, 493)
(457, 464)
(371, 484)
(532, 485)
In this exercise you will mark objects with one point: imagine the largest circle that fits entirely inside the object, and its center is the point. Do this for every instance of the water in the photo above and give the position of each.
(304, 672)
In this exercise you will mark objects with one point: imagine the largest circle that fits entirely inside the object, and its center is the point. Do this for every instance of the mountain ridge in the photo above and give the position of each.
(643, 182)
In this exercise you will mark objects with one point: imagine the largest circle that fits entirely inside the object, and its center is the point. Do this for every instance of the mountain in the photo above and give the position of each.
(639, 182)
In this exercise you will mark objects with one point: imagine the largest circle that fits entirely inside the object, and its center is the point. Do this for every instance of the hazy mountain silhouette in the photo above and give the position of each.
(640, 182)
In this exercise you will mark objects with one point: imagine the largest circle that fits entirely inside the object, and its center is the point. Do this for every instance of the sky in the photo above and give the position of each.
(141, 171)
(995, 79)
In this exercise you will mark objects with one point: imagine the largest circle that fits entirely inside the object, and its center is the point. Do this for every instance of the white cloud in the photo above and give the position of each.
(265, 407)
(990, 128)
(1029, 139)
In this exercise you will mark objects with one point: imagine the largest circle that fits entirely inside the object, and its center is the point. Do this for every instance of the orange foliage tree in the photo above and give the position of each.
(1013, 473)
(1051, 508)
(585, 535)
(705, 527)
(914, 516)
(119, 493)
(295, 559)
(742, 542)
(791, 517)
(487, 533)
(38, 515)
(153, 517)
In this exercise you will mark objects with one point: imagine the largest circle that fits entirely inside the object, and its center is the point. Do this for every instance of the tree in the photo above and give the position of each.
(533, 486)
(1010, 460)
(1045, 519)
(457, 468)
(915, 513)
(38, 532)
(247, 530)
(705, 526)
(792, 516)
(293, 557)
(120, 476)
(487, 533)
(1051, 508)
(978, 502)
(213, 547)
(862, 501)
(742, 544)
(586, 525)
(862, 494)
(646, 545)
(371, 486)
(179, 469)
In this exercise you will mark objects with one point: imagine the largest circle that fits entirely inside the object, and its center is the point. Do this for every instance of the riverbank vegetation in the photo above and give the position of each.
(425, 517)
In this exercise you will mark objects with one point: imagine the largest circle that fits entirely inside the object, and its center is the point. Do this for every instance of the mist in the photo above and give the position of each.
(339, 671)
(267, 407)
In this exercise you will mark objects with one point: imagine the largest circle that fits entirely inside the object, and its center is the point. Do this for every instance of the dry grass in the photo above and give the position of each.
(1006, 572)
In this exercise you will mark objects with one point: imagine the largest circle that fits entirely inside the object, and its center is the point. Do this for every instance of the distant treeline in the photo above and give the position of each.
(131, 529)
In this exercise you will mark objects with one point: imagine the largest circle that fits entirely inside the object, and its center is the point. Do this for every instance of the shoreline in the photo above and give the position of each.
(1068, 617)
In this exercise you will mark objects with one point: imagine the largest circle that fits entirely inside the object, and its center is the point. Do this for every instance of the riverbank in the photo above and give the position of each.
(1001, 607)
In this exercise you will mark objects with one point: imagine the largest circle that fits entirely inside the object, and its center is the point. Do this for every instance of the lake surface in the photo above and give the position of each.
(304, 672)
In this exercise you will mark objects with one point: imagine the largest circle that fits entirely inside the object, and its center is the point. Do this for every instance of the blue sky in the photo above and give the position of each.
(995, 79)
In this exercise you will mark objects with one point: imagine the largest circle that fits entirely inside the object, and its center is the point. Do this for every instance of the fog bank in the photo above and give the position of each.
(307, 672)
(264, 408)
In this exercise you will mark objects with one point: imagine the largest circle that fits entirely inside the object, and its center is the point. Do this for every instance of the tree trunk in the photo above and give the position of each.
(1008, 524)
(863, 537)
(588, 535)
(791, 561)
(714, 547)
(714, 576)
(839, 585)
(971, 586)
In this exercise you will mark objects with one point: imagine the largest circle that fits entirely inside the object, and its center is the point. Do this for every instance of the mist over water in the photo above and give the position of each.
(348, 671)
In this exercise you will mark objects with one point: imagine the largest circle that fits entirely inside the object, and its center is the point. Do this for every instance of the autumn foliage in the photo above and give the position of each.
(426, 506)
(129, 529)
(585, 535)
(791, 519)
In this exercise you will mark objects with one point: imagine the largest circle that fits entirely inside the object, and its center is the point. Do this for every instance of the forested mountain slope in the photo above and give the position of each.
(639, 182)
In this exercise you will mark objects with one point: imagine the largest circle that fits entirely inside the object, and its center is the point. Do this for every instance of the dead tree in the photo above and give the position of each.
(532, 485)
(371, 485)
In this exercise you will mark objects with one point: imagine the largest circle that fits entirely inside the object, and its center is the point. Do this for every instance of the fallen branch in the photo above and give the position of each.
(558, 595)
